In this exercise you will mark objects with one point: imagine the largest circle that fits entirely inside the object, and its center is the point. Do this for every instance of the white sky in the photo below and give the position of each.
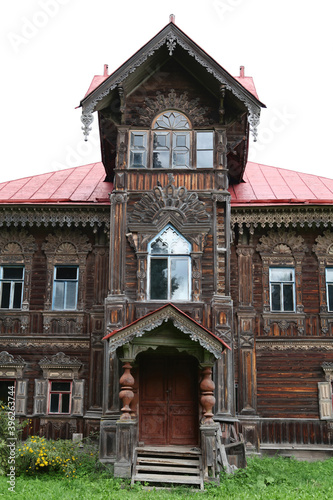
(52, 49)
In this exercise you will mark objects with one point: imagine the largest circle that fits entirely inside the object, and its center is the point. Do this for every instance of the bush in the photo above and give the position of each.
(9, 429)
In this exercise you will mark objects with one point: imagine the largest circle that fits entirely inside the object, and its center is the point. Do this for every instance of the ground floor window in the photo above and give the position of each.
(60, 397)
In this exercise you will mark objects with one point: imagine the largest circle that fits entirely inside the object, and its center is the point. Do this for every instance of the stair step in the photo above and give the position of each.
(183, 470)
(161, 478)
(169, 451)
(167, 461)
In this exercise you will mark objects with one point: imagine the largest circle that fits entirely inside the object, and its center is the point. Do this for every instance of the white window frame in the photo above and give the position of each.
(329, 284)
(57, 280)
(169, 257)
(281, 283)
(12, 286)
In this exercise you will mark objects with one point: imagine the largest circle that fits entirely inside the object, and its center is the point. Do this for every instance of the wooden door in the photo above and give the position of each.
(168, 405)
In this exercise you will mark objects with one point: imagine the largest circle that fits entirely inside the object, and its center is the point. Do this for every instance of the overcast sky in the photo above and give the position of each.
(53, 48)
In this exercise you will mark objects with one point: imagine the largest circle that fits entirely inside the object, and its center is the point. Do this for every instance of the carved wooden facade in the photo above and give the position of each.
(262, 369)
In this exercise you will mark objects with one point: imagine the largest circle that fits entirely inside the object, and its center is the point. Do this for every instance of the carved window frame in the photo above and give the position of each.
(282, 249)
(323, 249)
(12, 369)
(66, 248)
(147, 149)
(61, 368)
(17, 249)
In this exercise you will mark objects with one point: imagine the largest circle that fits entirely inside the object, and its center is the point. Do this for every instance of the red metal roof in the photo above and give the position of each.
(262, 185)
(79, 184)
(271, 185)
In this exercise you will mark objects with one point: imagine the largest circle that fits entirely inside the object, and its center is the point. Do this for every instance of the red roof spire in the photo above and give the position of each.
(172, 18)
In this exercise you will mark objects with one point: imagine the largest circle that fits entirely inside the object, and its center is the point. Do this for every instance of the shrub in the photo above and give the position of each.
(9, 429)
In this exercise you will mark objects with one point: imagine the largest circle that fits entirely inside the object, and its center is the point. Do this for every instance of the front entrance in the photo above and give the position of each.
(168, 400)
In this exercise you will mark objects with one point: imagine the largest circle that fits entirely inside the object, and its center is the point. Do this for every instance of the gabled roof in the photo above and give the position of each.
(277, 186)
(175, 40)
(74, 185)
(181, 321)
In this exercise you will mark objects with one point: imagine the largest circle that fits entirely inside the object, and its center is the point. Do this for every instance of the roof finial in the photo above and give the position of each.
(172, 18)
(106, 68)
(242, 72)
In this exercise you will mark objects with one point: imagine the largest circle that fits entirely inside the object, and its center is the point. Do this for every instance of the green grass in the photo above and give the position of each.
(264, 478)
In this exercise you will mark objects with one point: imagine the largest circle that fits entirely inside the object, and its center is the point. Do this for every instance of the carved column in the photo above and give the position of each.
(117, 242)
(126, 394)
(207, 398)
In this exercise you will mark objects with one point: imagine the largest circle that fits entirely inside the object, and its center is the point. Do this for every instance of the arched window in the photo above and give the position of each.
(169, 265)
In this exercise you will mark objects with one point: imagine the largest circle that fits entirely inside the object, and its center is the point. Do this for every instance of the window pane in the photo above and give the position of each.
(138, 140)
(161, 159)
(329, 274)
(275, 298)
(54, 403)
(159, 247)
(17, 296)
(281, 274)
(138, 160)
(204, 159)
(65, 403)
(179, 279)
(60, 386)
(330, 297)
(5, 295)
(71, 295)
(66, 273)
(181, 159)
(13, 273)
(181, 141)
(158, 279)
(59, 295)
(288, 299)
(204, 140)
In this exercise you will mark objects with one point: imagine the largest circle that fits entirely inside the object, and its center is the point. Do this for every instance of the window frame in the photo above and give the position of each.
(329, 286)
(149, 150)
(59, 280)
(169, 257)
(281, 283)
(12, 286)
(61, 393)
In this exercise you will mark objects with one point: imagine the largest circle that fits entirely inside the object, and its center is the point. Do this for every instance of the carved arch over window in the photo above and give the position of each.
(324, 252)
(66, 248)
(12, 369)
(17, 248)
(282, 249)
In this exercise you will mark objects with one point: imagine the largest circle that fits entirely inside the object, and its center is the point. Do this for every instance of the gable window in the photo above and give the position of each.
(169, 266)
(329, 288)
(171, 141)
(60, 396)
(282, 289)
(11, 286)
(65, 287)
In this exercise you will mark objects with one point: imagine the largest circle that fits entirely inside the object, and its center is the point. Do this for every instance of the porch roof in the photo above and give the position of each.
(182, 321)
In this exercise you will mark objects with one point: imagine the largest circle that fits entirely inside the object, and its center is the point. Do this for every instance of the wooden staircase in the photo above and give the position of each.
(168, 465)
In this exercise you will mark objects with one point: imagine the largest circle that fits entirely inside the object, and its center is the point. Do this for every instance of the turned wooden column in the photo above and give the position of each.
(126, 394)
(207, 398)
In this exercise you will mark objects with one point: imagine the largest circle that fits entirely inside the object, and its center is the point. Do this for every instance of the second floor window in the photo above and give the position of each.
(170, 144)
(329, 288)
(169, 266)
(65, 287)
(11, 286)
(282, 289)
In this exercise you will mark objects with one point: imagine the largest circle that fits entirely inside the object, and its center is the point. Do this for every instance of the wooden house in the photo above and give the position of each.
(174, 294)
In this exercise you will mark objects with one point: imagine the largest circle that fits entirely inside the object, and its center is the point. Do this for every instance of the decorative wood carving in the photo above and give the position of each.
(207, 399)
(10, 366)
(172, 101)
(59, 366)
(324, 252)
(297, 345)
(281, 243)
(328, 370)
(126, 394)
(66, 247)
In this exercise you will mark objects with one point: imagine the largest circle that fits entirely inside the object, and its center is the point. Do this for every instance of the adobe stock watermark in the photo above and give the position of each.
(277, 124)
(11, 439)
(31, 26)
(224, 7)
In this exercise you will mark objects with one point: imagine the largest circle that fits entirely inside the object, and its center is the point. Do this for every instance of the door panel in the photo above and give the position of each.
(168, 401)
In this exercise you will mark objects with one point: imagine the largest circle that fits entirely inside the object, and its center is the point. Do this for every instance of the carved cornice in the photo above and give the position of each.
(297, 345)
(55, 216)
(15, 243)
(60, 360)
(324, 245)
(47, 343)
(172, 37)
(181, 102)
(8, 361)
(67, 243)
(281, 243)
(151, 322)
(291, 216)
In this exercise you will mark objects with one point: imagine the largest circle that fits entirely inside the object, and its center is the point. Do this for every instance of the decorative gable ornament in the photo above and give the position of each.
(171, 36)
